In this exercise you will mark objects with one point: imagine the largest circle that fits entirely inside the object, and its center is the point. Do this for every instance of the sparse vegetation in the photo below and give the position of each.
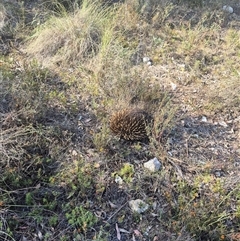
(81, 218)
(66, 67)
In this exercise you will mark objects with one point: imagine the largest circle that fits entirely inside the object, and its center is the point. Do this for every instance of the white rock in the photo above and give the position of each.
(118, 180)
(227, 9)
(174, 86)
(74, 153)
(138, 206)
(146, 59)
(153, 165)
(204, 119)
(149, 63)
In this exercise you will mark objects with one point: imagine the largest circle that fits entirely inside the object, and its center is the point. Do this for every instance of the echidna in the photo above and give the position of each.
(130, 124)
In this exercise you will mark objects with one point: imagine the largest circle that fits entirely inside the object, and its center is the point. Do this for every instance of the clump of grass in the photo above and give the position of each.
(60, 6)
(2, 16)
(101, 137)
(193, 3)
(72, 38)
(228, 75)
(28, 91)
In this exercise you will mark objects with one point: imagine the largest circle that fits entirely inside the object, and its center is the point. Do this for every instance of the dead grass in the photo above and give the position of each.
(59, 159)
(72, 39)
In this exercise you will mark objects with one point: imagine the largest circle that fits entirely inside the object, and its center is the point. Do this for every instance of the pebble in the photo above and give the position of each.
(218, 173)
(118, 180)
(204, 119)
(153, 165)
(174, 86)
(227, 9)
(74, 153)
(147, 61)
(138, 206)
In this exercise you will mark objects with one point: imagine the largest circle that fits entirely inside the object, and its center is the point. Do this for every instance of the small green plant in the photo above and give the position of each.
(50, 204)
(81, 218)
(37, 214)
(53, 220)
(136, 217)
(78, 177)
(29, 198)
(126, 172)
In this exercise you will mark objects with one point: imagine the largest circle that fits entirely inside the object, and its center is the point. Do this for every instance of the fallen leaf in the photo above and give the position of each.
(118, 232)
(40, 236)
(123, 230)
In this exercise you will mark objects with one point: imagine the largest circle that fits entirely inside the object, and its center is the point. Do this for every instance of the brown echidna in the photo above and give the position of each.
(130, 124)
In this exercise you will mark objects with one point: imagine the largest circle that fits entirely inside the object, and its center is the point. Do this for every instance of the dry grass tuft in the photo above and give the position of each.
(70, 39)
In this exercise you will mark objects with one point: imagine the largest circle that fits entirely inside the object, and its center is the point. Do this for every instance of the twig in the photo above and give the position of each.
(116, 212)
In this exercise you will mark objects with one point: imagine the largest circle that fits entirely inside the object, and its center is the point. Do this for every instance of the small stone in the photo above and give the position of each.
(174, 86)
(149, 63)
(204, 119)
(153, 165)
(40, 236)
(118, 180)
(154, 205)
(227, 9)
(74, 153)
(218, 173)
(138, 206)
(146, 59)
